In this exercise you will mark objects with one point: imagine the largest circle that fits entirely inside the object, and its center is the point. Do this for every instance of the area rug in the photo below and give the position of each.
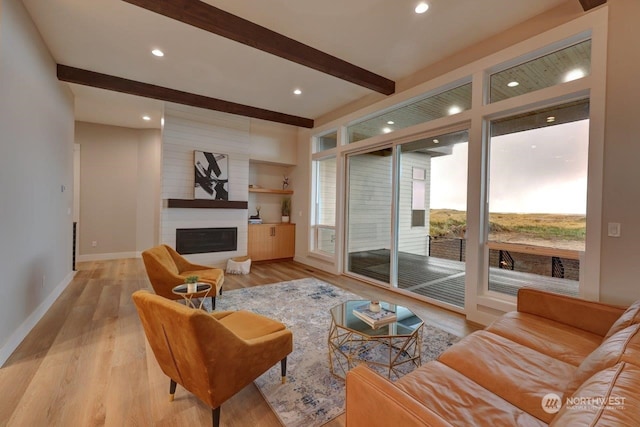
(312, 396)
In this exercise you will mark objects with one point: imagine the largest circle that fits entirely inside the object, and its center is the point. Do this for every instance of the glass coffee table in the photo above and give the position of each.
(201, 292)
(392, 349)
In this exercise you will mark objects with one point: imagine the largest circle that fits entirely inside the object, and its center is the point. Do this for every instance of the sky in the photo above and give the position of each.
(537, 171)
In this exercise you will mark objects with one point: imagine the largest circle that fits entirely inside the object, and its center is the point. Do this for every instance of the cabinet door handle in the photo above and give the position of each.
(273, 231)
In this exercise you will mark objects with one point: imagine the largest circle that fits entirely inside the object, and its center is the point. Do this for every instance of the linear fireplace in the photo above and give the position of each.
(205, 240)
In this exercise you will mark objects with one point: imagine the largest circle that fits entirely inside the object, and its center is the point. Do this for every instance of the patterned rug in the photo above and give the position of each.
(311, 396)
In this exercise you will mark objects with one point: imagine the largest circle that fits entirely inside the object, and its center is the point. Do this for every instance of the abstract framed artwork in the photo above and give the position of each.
(211, 176)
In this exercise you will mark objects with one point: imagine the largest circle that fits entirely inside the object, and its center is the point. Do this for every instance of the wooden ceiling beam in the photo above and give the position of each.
(132, 87)
(225, 24)
(590, 4)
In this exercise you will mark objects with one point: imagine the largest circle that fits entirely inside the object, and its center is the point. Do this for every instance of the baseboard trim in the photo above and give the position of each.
(318, 263)
(108, 256)
(484, 319)
(23, 330)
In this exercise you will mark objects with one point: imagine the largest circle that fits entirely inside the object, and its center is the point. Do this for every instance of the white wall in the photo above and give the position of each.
(259, 153)
(119, 191)
(36, 178)
(273, 142)
(620, 262)
(187, 129)
(148, 186)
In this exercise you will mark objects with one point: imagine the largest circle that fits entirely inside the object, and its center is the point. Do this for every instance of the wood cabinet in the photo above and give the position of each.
(271, 241)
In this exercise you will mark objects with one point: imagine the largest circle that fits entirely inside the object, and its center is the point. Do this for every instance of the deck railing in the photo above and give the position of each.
(542, 260)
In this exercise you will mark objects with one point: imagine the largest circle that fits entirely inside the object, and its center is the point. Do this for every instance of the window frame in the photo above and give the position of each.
(479, 305)
(315, 224)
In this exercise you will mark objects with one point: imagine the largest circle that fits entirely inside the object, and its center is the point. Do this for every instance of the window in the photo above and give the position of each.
(447, 103)
(480, 224)
(324, 235)
(568, 64)
(326, 142)
(537, 199)
(430, 258)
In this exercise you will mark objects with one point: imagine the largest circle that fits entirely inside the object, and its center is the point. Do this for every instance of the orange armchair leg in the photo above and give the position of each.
(283, 370)
(172, 390)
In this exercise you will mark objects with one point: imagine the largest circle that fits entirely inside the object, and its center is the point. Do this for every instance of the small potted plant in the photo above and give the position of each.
(286, 209)
(192, 283)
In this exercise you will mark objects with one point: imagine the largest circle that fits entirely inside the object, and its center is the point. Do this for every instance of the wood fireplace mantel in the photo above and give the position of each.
(206, 204)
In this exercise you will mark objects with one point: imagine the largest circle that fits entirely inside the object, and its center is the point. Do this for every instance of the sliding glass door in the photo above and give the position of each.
(432, 203)
(370, 196)
(412, 238)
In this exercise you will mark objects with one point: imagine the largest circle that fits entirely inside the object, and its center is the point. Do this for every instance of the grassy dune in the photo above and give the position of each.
(452, 223)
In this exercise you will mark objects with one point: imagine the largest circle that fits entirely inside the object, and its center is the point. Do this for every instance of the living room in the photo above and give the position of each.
(39, 128)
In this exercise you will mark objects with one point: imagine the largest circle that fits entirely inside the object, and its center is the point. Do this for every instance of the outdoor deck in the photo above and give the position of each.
(443, 279)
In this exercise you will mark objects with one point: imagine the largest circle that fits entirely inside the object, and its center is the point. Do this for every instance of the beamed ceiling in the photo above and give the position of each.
(246, 57)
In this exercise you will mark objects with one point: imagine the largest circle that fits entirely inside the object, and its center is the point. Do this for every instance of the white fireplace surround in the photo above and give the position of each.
(187, 129)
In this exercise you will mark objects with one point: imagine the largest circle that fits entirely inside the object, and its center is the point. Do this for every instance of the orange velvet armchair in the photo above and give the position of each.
(212, 355)
(166, 269)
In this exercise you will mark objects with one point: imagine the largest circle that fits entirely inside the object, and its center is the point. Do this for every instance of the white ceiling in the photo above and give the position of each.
(383, 36)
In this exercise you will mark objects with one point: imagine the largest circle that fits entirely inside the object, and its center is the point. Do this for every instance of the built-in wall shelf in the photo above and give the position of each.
(206, 204)
(269, 190)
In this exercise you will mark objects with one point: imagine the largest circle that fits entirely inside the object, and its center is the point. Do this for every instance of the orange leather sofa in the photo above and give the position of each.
(557, 361)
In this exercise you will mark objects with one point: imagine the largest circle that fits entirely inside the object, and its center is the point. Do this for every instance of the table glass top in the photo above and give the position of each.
(182, 289)
(406, 324)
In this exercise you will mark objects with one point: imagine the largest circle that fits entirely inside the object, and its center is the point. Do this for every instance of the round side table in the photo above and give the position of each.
(202, 290)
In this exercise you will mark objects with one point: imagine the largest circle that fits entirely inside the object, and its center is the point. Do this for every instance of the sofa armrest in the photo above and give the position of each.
(590, 316)
(374, 400)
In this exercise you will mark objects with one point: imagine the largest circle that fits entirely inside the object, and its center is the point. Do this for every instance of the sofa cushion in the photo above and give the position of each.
(560, 341)
(609, 353)
(518, 374)
(617, 386)
(459, 400)
(630, 317)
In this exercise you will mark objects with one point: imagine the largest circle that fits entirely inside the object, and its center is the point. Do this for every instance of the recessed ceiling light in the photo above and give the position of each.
(297, 92)
(551, 119)
(391, 122)
(386, 130)
(422, 7)
(146, 118)
(574, 75)
(454, 110)
(534, 146)
(436, 141)
(513, 84)
(157, 52)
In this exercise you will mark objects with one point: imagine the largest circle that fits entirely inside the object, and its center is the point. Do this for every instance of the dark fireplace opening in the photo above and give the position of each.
(205, 240)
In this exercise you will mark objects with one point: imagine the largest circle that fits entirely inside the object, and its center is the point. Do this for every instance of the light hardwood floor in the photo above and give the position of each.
(87, 363)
